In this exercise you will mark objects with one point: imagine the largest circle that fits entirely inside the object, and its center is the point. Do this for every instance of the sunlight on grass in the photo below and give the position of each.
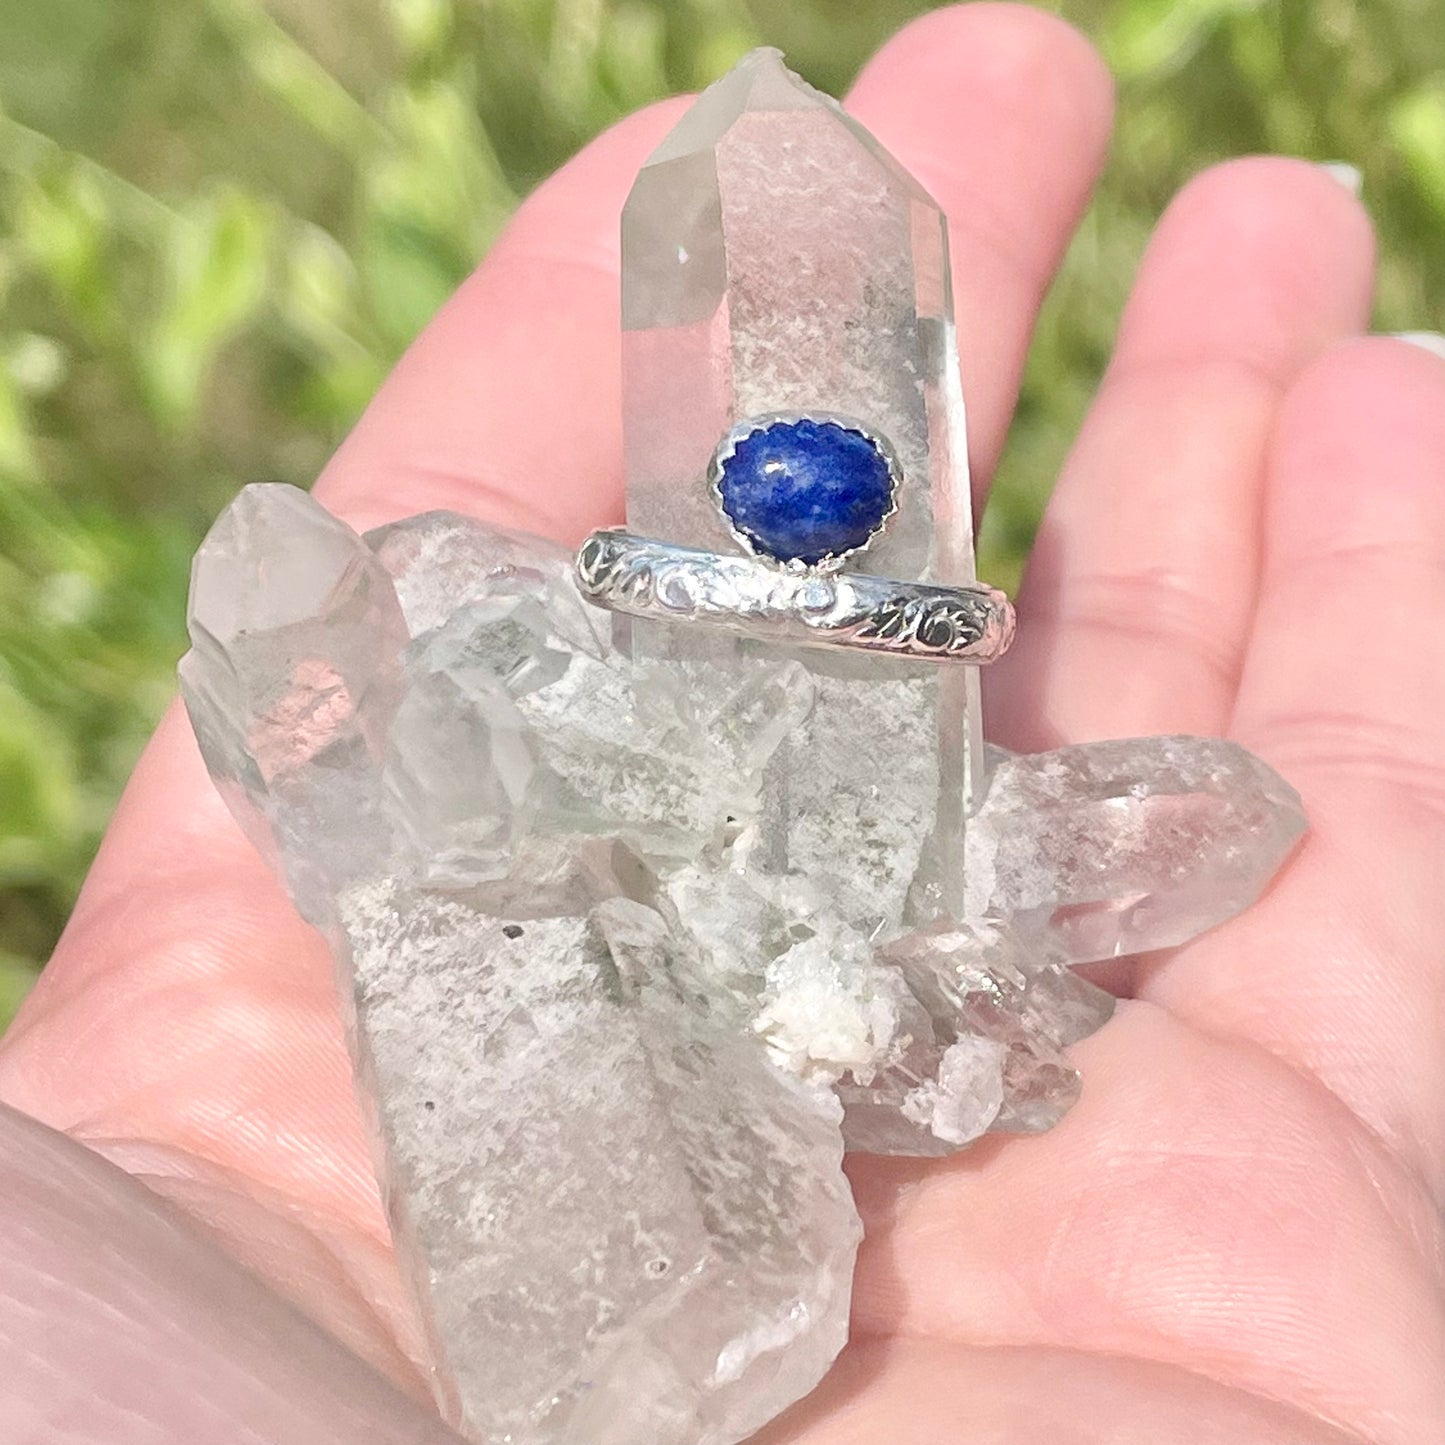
(222, 220)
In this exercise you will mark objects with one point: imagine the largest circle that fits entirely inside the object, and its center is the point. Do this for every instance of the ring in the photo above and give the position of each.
(802, 493)
(644, 578)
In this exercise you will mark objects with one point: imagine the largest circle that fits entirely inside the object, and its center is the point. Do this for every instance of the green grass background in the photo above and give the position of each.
(222, 220)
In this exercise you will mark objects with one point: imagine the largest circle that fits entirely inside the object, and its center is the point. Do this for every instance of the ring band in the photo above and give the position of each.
(970, 623)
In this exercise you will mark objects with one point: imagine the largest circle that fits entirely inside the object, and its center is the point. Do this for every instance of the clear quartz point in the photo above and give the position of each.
(621, 1220)
(635, 931)
(292, 678)
(1128, 845)
(625, 1224)
(776, 258)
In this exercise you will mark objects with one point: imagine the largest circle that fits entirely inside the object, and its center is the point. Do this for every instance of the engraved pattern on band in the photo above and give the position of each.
(645, 578)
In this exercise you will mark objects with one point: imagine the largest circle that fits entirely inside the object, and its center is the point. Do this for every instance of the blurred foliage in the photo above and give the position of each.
(221, 221)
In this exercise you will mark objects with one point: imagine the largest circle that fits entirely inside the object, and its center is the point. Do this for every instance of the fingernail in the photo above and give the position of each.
(1347, 175)
(1431, 341)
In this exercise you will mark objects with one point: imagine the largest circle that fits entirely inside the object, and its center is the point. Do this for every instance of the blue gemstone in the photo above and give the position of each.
(806, 490)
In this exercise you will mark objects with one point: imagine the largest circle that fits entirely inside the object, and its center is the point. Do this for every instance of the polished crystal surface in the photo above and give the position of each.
(292, 678)
(636, 930)
(775, 258)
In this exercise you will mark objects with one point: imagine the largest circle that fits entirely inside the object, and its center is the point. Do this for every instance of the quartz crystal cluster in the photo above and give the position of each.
(636, 932)
(612, 1055)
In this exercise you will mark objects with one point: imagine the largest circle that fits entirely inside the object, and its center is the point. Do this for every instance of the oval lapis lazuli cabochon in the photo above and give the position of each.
(806, 489)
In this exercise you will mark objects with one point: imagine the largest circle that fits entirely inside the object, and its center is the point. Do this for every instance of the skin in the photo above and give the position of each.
(1237, 1234)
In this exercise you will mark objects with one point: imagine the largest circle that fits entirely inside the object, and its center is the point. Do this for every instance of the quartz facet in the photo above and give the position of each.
(292, 678)
(626, 1225)
(775, 258)
(1128, 845)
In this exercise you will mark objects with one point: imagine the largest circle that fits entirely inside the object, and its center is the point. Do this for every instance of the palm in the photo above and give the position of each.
(1236, 1235)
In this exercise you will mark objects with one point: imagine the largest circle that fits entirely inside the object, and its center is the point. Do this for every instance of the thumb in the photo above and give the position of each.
(120, 1326)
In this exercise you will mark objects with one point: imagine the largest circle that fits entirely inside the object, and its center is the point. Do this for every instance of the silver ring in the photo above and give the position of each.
(802, 493)
(661, 580)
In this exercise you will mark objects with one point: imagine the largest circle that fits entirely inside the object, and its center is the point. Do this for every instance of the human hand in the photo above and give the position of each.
(1237, 1233)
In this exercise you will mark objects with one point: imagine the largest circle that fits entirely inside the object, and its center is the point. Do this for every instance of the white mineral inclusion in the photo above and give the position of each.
(827, 1009)
(965, 1095)
(632, 937)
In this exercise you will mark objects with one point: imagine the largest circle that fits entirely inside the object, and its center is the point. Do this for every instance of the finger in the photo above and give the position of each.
(947, 1392)
(187, 1004)
(1003, 113)
(1344, 691)
(1204, 1207)
(121, 1327)
(1141, 586)
(510, 406)
(509, 361)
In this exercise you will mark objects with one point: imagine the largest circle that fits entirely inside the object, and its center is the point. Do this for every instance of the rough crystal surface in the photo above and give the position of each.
(517, 721)
(981, 1049)
(1128, 845)
(628, 1225)
(602, 1035)
(634, 933)
(622, 1220)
